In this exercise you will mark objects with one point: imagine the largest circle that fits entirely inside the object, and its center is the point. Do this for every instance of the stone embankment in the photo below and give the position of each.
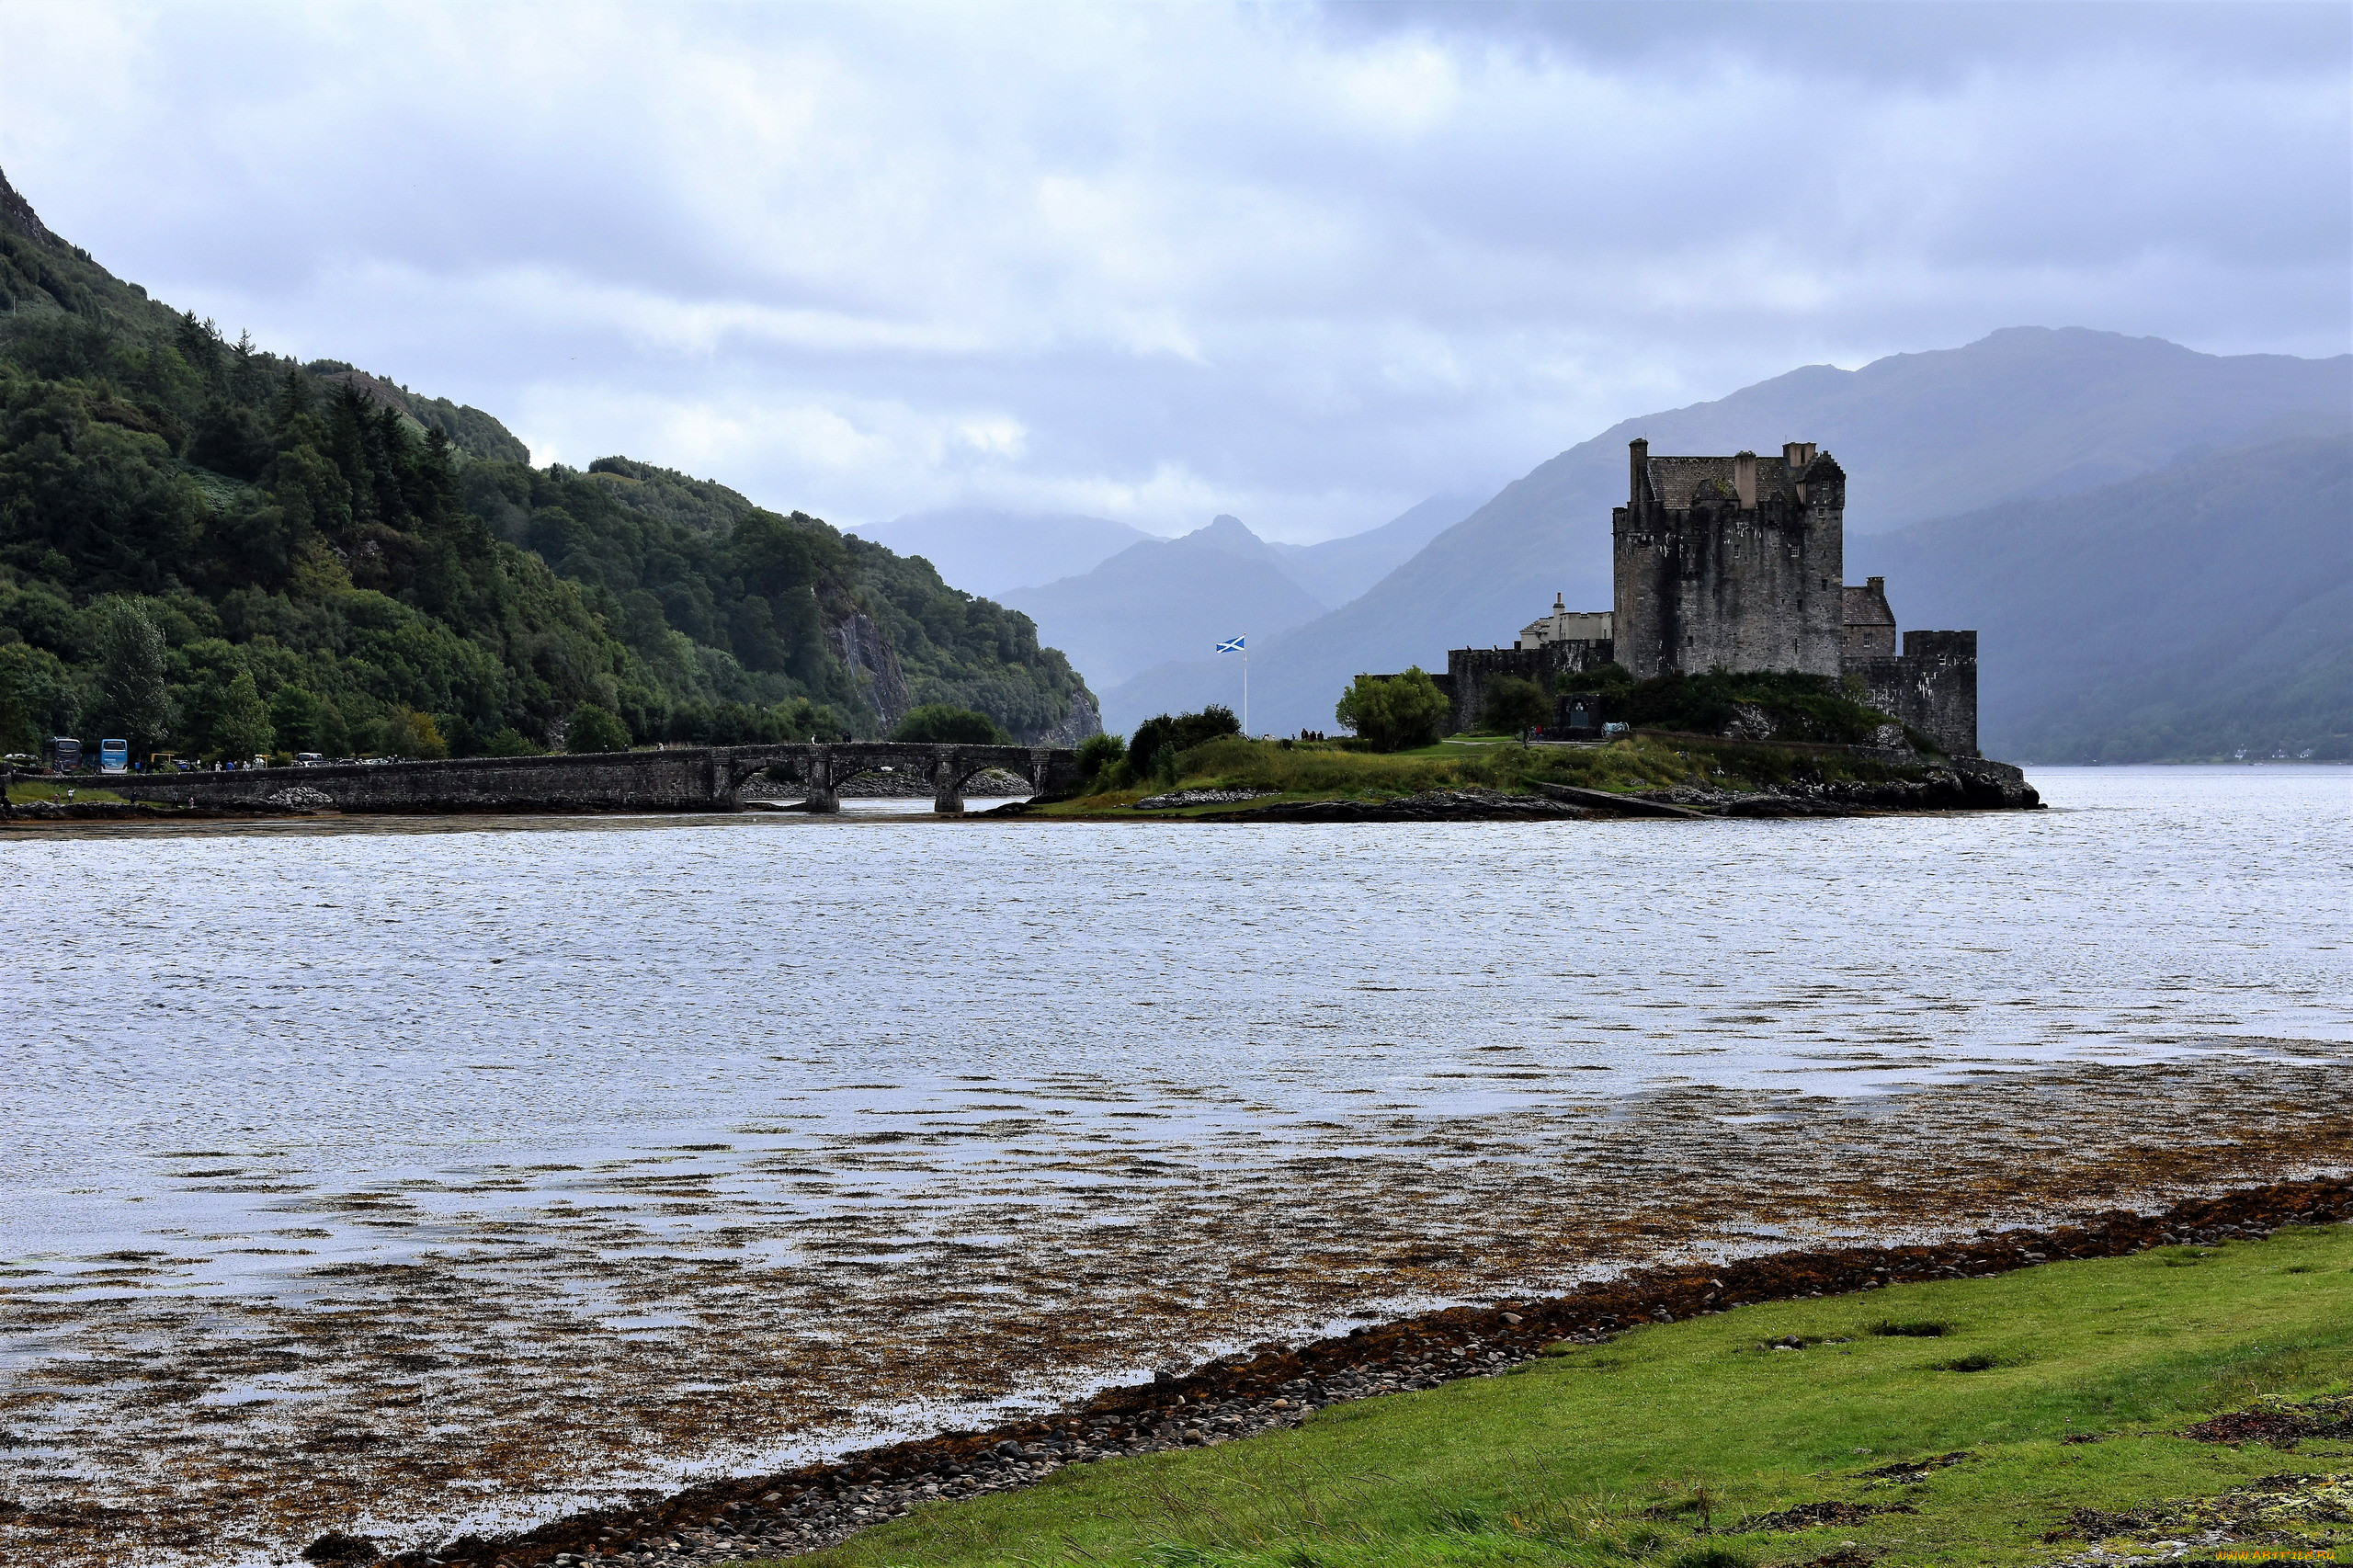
(1275, 1385)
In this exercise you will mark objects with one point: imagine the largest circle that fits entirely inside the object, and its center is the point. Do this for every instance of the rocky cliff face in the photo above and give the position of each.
(865, 648)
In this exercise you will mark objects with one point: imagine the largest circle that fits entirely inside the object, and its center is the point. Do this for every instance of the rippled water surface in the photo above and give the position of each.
(492, 1163)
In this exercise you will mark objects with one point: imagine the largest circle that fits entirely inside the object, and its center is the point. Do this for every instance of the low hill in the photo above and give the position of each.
(2026, 411)
(1166, 597)
(314, 555)
(2185, 615)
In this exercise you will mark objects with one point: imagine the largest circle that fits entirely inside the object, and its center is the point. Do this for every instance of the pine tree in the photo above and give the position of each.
(241, 726)
(130, 682)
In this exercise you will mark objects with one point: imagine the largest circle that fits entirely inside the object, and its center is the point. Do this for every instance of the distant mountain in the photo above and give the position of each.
(2026, 411)
(1337, 570)
(983, 551)
(2176, 617)
(1168, 598)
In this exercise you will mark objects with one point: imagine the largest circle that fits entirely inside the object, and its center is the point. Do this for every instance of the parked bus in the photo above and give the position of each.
(114, 757)
(62, 753)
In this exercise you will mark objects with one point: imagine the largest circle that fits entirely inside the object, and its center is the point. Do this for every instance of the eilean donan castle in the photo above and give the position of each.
(1738, 562)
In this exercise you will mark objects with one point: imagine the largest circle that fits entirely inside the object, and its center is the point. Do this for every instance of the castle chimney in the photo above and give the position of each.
(1795, 455)
(1638, 457)
(1744, 480)
(1878, 585)
(1560, 604)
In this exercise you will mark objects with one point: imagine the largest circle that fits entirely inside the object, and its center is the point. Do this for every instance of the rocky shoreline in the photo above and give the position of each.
(1275, 1385)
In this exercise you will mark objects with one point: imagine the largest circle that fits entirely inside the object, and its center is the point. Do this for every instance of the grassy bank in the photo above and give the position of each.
(1321, 771)
(26, 789)
(1670, 1444)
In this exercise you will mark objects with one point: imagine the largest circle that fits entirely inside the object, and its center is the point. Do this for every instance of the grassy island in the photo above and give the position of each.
(1274, 773)
(1737, 745)
(2025, 1418)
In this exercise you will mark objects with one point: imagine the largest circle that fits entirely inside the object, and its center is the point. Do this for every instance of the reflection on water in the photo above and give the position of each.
(553, 1156)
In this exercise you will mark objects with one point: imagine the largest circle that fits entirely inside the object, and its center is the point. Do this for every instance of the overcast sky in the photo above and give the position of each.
(1158, 261)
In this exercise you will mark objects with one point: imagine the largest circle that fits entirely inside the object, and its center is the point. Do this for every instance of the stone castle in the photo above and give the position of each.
(1739, 563)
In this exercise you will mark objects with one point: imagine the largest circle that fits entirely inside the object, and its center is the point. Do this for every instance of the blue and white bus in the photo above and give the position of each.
(114, 757)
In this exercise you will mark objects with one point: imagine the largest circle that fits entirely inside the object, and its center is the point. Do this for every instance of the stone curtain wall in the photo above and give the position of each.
(1931, 686)
(682, 779)
(1469, 670)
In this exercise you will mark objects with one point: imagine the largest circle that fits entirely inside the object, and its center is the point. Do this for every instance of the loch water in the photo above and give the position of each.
(480, 1124)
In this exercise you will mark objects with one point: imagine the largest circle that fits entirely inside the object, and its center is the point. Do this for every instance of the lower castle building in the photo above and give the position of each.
(1739, 563)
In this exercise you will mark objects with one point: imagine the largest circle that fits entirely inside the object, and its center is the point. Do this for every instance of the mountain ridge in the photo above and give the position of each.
(1196, 590)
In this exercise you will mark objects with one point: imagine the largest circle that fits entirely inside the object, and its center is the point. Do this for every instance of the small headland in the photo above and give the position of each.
(1650, 774)
(1969, 1401)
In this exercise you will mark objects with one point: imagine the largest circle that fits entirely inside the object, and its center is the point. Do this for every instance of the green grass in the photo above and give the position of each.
(40, 790)
(1624, 1453)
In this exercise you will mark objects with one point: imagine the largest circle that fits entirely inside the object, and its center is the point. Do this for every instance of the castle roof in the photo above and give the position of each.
(1867, 605)
(1679, 482)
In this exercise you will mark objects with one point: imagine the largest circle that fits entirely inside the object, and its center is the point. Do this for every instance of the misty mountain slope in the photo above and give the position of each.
(984, 551)
(2027, 411)
(1167, 597)
(1337, 570)
(2179, 615)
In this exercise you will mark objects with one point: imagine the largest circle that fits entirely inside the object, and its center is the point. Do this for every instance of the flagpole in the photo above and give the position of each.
(1245, 688)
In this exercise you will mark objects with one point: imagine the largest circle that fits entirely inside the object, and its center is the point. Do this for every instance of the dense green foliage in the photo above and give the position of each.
(1514, 705)
(1175, 735)
(594, 729)
(1099, 752)
(936, 723)
(192, 529)
(1394, 712)
(722, 605)
(1792, 707)
(1672, 1445)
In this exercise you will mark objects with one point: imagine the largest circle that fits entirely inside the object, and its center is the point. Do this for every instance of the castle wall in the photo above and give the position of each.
(1931, 686)
(1469, 670)
(1870, 625)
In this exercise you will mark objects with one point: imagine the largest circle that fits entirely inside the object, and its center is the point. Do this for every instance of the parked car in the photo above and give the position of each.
(309, 759)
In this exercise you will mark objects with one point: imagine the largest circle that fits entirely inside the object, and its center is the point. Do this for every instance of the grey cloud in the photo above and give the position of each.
(1155, 263)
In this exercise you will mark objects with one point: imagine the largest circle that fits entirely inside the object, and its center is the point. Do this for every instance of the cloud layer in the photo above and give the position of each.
(1154, 262)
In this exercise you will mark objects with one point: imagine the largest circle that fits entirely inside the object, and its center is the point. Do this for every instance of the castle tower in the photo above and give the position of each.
(1730, 561)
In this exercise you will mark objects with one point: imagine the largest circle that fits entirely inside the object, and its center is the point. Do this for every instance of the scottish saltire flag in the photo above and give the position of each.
(1231, 645)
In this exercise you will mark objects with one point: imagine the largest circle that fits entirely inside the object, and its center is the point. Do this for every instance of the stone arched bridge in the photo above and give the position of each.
(820, 770)
(673, 778)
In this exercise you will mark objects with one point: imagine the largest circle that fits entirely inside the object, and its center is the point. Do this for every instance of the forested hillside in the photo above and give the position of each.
(210, 547)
